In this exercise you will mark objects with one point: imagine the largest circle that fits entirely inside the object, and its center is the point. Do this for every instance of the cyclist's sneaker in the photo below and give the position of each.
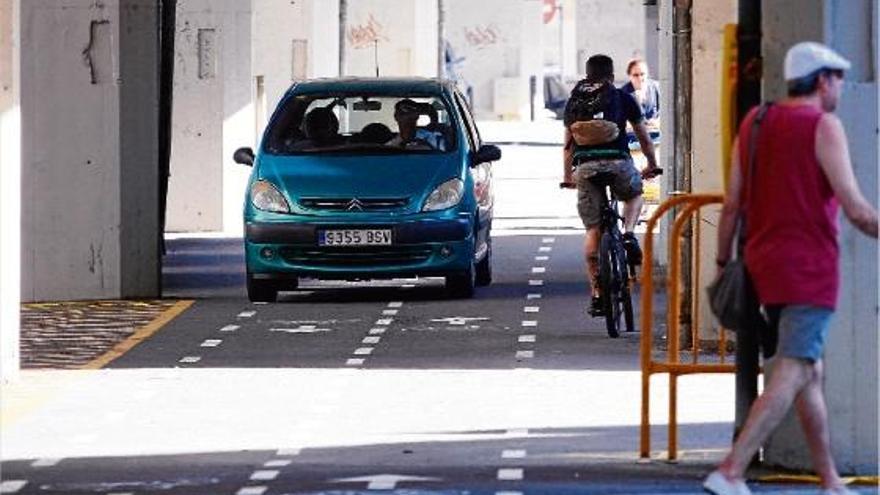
(596, 308)
(633, 251)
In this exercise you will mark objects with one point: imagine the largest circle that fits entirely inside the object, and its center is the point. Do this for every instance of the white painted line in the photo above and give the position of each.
(513, 454)
(120, 493)
(395, 304)
(246, 314)
(538, 269)
(288, 452)
(533, 296)
(545, 249)
(408, 286)
(542, 258)
(377, 331)
(190, 359)
(265, 474)
(12, 486)
(548, 240)
(510, 474)
(531, 309)
(525, 354)
(277, 463)
(536, 283)
(363, 351)
(252, 490)
(45, 462)
(212, 343)
(506, 492)
(385, 321)
(260, 303)
(525, 339)
(354, 362)
(529, 323)
(389, 312)
(230, 328)
(371, 340)
(518, 432)
(300, 329)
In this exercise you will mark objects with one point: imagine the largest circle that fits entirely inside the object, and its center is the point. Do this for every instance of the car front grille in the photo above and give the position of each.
(354, 204)
(362, 256)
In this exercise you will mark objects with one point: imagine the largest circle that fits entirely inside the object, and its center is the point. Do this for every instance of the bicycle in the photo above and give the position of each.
(615, 271)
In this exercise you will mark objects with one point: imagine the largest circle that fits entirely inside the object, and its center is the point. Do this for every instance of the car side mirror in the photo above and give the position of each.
(244, 156)
(487, 153)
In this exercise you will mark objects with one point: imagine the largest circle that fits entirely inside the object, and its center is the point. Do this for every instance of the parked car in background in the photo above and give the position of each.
(342, 188)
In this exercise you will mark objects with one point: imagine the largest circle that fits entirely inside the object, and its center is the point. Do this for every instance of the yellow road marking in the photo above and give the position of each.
(810, 478)
(139, 336)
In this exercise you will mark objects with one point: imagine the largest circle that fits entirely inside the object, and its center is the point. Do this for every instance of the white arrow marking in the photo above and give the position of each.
(383, 481)
(301, 329)
(459, 320)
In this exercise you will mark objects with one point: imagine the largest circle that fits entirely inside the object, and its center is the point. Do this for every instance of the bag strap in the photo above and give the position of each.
(746, 191)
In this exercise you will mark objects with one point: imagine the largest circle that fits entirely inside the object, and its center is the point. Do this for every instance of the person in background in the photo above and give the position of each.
(801, 175)
(645, 90)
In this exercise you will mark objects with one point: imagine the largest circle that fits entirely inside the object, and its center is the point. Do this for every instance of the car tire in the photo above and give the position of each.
(484, 268)
(461, 285)
(262, 290)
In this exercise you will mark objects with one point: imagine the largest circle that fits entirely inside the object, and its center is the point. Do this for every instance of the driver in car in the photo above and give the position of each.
(406, 113)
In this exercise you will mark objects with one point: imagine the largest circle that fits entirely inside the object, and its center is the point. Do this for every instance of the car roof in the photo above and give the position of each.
(373, 85)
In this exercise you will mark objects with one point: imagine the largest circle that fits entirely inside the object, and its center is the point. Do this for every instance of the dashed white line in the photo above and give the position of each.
(277, 463)
(513, 454)
(508, 493)
(518, 432)
(377, 331)
(12, 486)
(536, 283)
(538, 269)
(354, 362)
(526, 339)
(265, 475)
(548, 240)
(190, 359)
(389, 312)
(395, 304)
(371, 340)
(363, 351)
(230, 328)
(247, 314)
(529, 323)
(510, 474)
(531, 309)
(252, 490)
(120, 493)
(542, 258)
(525, 354)
(211, 343)
(288, 452)
(533, 296)
(545, 249)
(45, 462)
(260, 303)
(384, 321)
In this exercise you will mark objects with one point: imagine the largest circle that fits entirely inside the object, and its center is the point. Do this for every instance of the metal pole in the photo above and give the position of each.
(683, 56)
(748, 95)
(343, 27)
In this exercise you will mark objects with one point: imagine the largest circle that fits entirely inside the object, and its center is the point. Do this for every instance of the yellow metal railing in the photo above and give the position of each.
(689, 209)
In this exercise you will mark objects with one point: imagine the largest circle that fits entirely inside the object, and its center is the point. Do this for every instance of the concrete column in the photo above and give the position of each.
(89, 120)
(851, 357)
(10, 189)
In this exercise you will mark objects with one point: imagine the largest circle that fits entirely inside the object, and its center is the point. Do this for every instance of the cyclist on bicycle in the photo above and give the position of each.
(595, 142)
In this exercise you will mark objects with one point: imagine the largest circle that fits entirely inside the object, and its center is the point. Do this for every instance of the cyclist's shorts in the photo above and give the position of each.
(627, 185)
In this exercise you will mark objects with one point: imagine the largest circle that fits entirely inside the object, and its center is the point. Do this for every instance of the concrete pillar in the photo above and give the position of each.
(10, 189)
(89, 120)
(851, 357)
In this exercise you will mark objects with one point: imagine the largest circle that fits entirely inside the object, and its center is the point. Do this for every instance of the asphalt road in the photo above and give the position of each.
(390, 386)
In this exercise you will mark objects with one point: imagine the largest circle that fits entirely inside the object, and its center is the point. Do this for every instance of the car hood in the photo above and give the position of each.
(384, 176)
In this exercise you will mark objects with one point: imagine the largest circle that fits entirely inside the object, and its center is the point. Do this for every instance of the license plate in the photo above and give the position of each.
(354, 237)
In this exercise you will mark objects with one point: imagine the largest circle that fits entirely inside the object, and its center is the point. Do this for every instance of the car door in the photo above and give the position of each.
(481, 173)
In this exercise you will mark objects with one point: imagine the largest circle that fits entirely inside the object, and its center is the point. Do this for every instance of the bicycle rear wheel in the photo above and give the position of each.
(609, 284)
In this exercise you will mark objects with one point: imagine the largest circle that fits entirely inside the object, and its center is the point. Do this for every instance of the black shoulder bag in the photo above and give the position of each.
(732, 296)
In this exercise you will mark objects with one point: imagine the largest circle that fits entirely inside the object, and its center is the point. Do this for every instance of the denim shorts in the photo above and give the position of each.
(627, 185)
(801, 330)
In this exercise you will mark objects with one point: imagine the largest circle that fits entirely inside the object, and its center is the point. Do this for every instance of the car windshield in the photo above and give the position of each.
(361, 123)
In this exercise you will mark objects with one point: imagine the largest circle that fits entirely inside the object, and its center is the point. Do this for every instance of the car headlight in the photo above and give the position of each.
(266, 197)
(445, 196)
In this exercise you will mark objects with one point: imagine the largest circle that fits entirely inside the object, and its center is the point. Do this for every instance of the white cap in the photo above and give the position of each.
(807, 57)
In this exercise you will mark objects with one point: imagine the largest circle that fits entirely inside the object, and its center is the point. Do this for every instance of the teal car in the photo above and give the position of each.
(359, 179)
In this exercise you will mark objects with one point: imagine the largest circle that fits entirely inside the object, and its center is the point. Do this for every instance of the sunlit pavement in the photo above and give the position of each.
(364, 388)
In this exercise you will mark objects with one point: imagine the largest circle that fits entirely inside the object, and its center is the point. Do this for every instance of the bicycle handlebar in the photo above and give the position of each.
(572, 185)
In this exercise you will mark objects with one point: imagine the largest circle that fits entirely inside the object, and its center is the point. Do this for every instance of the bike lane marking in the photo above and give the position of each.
(374, 336)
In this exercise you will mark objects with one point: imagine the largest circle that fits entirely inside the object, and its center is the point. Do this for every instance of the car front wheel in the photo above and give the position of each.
(262, 290)
(461, 285)
(484, 268)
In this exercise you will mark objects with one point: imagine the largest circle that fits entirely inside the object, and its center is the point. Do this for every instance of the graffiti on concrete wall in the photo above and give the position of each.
(366, 34)
(483, 36)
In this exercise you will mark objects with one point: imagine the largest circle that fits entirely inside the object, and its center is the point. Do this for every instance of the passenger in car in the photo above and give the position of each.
(406, 113)
(321, 128)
